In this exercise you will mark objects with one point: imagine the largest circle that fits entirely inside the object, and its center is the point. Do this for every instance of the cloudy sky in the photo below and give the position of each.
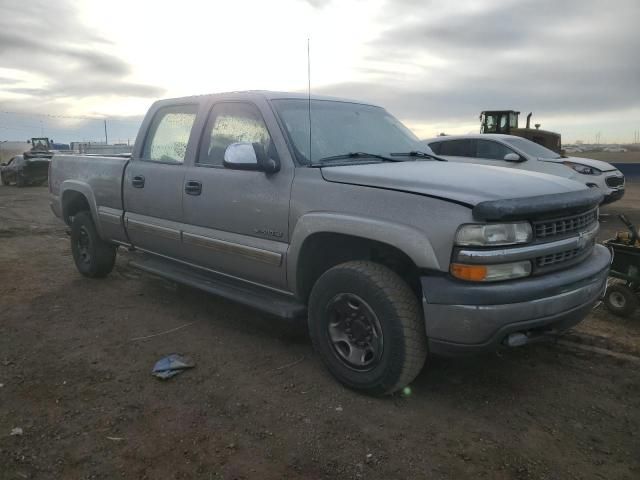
(434, 64)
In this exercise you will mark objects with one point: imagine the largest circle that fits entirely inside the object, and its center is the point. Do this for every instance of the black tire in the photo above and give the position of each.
(93, 256)
(621, 300)
(383, 329)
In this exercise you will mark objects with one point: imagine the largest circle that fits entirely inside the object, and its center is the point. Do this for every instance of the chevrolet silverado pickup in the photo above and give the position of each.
(328, 210)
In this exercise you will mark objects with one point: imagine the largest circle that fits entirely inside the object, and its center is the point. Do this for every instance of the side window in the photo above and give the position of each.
(457, 148)
(513, 120)
(503, 122)
(231, 122)
(490, 124)
(436, 147)
(169, 134)
(492, 150)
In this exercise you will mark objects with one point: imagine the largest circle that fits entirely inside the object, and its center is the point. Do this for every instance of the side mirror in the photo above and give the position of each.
(247, 156)
(513, 157)
(3, 164)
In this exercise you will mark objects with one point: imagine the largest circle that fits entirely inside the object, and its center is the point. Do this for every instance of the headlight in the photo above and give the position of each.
(583, 169)
(490, 273)
(494, 234)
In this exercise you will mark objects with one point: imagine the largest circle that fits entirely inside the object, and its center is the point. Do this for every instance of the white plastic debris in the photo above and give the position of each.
(171, 365)
(16, 431)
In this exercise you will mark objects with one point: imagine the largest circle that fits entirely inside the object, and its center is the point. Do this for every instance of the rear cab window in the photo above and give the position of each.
(169, 134)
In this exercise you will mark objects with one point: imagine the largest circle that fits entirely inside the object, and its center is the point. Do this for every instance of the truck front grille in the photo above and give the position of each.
(614, 181)
(549, 229)
(562, 259)
(557, 257)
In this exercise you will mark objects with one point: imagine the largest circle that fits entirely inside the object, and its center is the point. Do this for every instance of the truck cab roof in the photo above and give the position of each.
(257, 94)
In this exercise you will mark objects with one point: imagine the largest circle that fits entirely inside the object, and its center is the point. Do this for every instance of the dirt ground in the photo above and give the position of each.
(75, 377)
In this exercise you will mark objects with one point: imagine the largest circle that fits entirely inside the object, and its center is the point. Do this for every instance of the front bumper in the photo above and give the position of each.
(463, 317)
(613, 195)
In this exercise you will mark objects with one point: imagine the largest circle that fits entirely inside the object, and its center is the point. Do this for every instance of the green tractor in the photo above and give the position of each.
(506, 122)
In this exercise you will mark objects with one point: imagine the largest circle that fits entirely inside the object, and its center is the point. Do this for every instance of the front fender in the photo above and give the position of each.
(413, 242)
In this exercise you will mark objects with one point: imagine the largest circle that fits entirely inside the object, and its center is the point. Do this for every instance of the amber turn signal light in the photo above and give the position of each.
(491, 273)
(474, 273)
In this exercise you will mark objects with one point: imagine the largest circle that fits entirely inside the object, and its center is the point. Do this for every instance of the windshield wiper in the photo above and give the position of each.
(323, 161)
(419, 154)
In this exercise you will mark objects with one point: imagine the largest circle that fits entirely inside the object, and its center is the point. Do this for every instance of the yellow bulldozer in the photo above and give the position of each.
(506, 122)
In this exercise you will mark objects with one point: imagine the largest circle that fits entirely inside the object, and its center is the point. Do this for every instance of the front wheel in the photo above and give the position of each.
(366, 324)
(93, 256)
(621, 300)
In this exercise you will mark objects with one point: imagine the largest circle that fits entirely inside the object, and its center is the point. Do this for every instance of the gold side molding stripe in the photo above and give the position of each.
(153, 229)
(258, 254)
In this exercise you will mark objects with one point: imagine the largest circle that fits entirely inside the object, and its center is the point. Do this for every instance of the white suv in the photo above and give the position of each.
(516, 152)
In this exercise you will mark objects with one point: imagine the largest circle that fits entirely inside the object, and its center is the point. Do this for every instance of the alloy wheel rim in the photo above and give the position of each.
(354, 331)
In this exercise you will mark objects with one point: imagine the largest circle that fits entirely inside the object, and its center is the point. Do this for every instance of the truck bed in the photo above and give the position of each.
(99, 175)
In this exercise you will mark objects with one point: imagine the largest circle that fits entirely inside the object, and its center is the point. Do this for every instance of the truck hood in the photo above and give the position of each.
(464, 183)
(603, 166)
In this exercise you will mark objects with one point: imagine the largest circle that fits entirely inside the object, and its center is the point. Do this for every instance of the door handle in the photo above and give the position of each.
(138, 181)
(193, 188)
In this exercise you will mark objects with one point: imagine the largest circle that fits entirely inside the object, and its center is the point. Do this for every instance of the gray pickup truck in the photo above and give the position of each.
(389, 252)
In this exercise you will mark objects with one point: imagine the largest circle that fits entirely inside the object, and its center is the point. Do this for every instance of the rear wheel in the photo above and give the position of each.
(366, 324)
(621, 300)
(93, 256)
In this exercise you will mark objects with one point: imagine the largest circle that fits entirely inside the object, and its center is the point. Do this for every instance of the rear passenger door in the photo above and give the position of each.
(236, 221)
(153, 182)
(461, 150)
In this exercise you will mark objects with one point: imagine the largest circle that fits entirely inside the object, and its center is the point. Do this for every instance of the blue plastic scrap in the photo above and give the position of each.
(171, 365)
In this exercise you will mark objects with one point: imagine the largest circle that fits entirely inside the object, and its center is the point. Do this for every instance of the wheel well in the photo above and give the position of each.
(321, 251)
(72, 203)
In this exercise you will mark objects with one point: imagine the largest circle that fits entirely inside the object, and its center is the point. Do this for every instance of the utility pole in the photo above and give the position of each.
(106, 138)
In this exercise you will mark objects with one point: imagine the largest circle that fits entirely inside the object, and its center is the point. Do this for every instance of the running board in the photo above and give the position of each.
(238, 291)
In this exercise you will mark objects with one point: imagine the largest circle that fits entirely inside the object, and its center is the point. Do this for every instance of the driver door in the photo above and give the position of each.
(490, 152)
(237, 221)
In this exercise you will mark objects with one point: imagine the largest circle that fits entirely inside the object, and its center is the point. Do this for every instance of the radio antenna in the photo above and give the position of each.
(309, 90)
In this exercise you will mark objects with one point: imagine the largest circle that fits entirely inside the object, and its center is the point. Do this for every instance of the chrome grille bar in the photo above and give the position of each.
(548, 229)
(581, 242)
